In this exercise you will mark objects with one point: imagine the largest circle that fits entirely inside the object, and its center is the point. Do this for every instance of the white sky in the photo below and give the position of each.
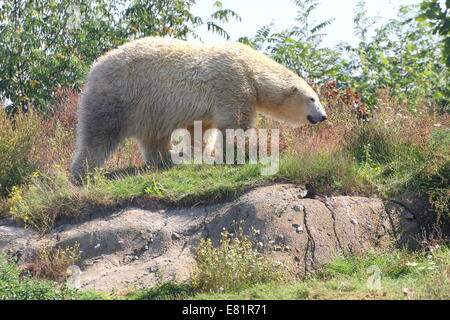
(257, 13)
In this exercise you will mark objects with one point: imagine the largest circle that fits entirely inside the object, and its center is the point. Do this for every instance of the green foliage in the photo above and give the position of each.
(165, 291)
(14, 286)
(173, 18)
(234, 264)
(424, 275)
(17, 140)
(45, 45)
(393, 265)
(439, 18)
(402, 56)
(437, 187)
(328, 171)
(47, 198)
(299, 48)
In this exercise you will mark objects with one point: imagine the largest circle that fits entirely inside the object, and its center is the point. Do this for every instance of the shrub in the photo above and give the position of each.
(165, 291)
(50, 197)
(51, 263)
(17, 142)
(438, 284)
(14, 286)
(234, 264)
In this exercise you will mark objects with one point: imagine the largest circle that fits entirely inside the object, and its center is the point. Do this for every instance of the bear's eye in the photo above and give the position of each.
(312, 99)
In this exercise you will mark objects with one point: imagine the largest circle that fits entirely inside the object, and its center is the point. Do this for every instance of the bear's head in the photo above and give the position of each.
(302, 104)
(297, 103)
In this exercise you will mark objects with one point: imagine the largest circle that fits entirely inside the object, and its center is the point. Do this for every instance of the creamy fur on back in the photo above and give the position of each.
(149, 87)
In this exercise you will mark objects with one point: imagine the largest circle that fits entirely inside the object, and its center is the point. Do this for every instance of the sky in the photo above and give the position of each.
(282, 13)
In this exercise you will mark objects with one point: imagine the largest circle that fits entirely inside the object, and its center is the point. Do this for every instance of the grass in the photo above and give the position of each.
(393, 151)
(52, 197)
(186, 184)
(372, 162)
(16, 286)
(403, 275)
(235, 263)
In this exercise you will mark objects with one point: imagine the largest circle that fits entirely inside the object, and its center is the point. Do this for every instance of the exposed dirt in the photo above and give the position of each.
(135, 247)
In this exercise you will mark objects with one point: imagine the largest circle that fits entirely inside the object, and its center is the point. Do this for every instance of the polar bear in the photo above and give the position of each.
(147, 88)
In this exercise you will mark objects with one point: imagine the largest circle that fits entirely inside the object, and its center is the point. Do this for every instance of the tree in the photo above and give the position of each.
(42, 48)
(299, 48)
(50, 44)
(403, 56)
(440, 18)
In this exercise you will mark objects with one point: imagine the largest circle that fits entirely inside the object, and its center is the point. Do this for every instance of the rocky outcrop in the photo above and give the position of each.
(136, 247)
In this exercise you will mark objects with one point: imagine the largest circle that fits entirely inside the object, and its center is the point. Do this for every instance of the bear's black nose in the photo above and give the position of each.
(324, 118)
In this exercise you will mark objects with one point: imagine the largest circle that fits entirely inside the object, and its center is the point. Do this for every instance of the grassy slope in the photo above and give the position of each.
(357, 171)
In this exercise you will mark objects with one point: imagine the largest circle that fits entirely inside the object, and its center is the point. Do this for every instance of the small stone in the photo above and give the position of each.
(153, 269)
(298, 207)
(297, 259)
(97, 246)
(408, 216)
(278, 248)
(354, 221)
(175, 236)
(287, 248)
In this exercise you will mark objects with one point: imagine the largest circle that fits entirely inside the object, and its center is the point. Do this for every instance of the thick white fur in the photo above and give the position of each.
(147, 88)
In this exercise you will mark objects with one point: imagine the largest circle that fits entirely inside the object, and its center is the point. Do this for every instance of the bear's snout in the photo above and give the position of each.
(317, 119)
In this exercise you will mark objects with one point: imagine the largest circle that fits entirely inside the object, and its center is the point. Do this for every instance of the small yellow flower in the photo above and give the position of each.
(33, 83)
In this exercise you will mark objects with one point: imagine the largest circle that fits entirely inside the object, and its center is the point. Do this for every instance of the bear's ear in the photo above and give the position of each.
(293, 90)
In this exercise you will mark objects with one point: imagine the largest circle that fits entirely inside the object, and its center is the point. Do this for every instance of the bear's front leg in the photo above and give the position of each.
(235, 117)
(156, 153)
